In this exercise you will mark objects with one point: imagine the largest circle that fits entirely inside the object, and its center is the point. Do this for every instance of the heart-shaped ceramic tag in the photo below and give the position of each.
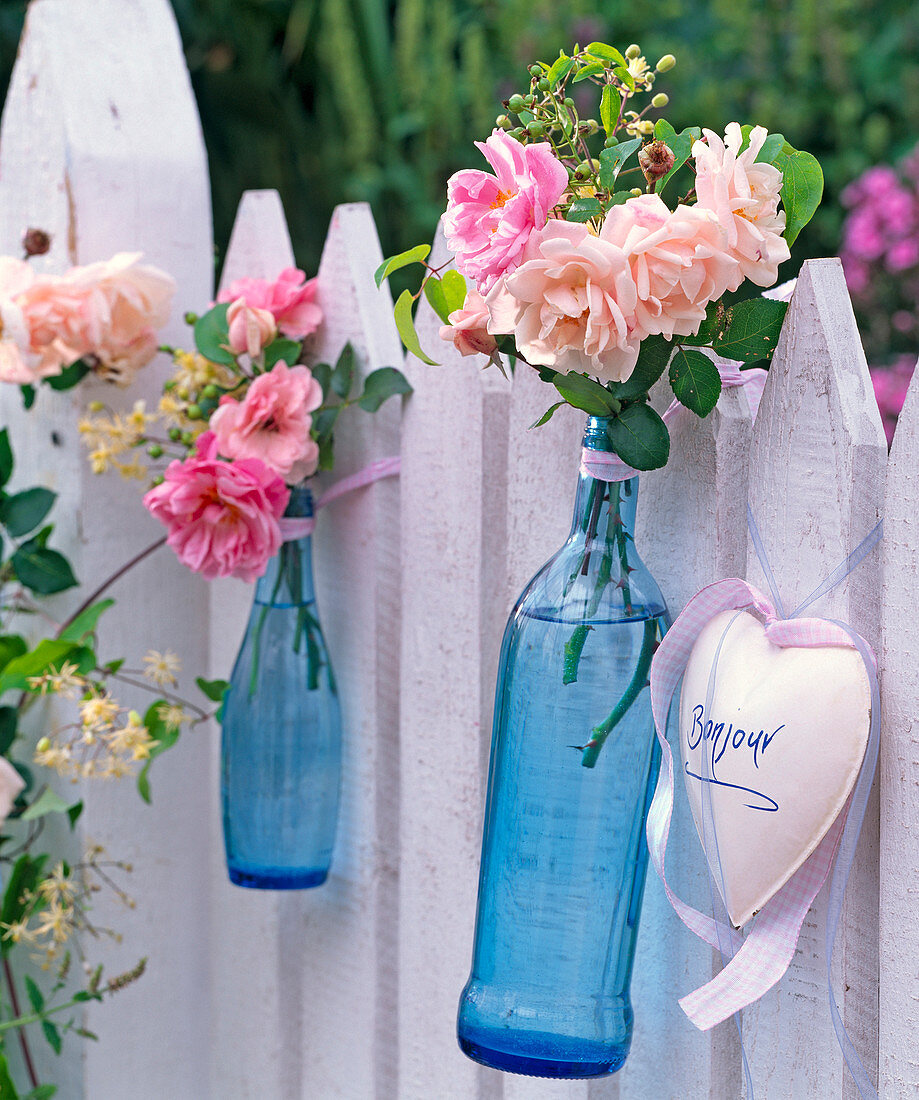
(779, 751)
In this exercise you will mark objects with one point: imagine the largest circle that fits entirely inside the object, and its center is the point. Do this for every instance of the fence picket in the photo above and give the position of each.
(899, 767)
(817, 475)
(86, 157)
(253, 931)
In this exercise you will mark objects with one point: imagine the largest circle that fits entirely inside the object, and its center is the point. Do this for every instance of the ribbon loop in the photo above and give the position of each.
(293, 528)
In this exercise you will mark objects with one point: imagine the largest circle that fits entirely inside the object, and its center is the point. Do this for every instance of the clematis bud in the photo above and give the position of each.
(666, 62)
(656, 159)
(660, 100)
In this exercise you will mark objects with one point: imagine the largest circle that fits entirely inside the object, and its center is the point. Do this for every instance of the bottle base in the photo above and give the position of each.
(277, 878)
(541, 1054)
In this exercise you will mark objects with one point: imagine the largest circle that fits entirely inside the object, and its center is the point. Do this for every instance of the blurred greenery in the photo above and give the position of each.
(343, 100)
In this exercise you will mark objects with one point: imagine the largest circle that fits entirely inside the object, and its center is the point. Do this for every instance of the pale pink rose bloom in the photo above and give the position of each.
(678, 260)
(17, 363)
(222, 517)
(110, 311)
(272, 422)
(11, 783)
(745, 197)
(250, 329)
(571, 304)
(290, 299)
(489, 219)
(468, 328)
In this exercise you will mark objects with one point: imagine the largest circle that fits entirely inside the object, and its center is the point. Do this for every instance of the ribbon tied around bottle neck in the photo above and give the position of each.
(755, 962)
(298, 527)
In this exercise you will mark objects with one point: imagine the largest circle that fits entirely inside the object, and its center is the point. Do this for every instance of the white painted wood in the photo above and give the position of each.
(253, 932)
(899, 767)
(454, 583)
(691, 532)
(346, 930)
(101, 146)
(817, 475)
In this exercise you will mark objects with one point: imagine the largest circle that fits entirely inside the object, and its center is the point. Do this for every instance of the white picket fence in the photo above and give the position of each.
(350, 991)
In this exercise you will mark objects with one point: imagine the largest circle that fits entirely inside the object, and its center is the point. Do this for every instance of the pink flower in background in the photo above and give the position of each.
(468, 328)
(678, 259)
(110, 311)
(890, 386)
(17, 363)
(250, 328)
(571, 303)
(272, 423)
(222, 517)
(290, 299)
(489, 218)
(745, 197)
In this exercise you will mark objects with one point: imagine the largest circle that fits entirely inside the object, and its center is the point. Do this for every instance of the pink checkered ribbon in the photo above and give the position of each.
(609, 467)
(293, 528)
(758, 961)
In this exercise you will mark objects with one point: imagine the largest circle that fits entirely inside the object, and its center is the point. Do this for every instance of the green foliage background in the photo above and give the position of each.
(342, 100)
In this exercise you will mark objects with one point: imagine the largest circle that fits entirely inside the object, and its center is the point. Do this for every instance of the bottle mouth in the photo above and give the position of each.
(300, 504)
(596, 436)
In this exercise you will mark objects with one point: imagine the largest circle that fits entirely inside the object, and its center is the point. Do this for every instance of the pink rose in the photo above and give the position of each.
(468, 328)
(250, 328)
(222, 517)
(110, 311)
(744, 196)
(11, 783)
(571, 304)
(489, 219)
(272, 423)
(290, 299)
(678, 260)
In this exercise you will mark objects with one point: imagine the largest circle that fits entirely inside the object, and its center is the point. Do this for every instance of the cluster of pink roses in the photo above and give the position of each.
(222, 504)
(575, 298)
(105, 313)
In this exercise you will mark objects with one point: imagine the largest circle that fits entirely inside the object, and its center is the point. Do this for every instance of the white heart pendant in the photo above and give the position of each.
(779, 753)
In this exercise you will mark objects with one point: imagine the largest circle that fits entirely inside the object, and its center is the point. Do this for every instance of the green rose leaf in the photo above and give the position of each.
(640, 437)
(584, 393)
(48, 802)
(582, 210)
(69, 376)
(610, 106)
(322, 372)
(561, 67)
(212, 334)
(213, 689)
(653, 356)
(588, 70)
(802, 189)
(608, 53)
(709, 328)
(344, 372)
(6, 457)
(281, 348)
(11, 645)
(7, 1088)
(164, 737)
(454, 288)
(406, 326)
(9, 719)
(28, 396)
(695, 381)
(23, 879)
(434, 292)
(394, 263)
(664, 132)
(751, 330)
(43, 571)
(23, 512)
(52, 1034)
(612, 160)
(85, 623)
(380, 385)
(547, 415)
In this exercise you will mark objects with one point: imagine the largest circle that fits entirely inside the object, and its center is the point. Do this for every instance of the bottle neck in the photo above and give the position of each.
(288, 579)
(602, 510)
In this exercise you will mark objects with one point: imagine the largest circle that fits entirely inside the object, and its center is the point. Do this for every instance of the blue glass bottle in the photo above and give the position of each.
(574, 760)
(281, 744)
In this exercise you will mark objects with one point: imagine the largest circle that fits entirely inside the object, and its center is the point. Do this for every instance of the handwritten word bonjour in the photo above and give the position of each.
(723, 736)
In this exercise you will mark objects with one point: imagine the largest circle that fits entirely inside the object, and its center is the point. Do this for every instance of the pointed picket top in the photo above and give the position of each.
(817, 474)
(259, 245)
(101, 146)
(899, 763)
(454, 494)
